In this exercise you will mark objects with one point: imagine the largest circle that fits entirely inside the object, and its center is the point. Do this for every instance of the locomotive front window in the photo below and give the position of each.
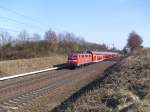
(72, 55)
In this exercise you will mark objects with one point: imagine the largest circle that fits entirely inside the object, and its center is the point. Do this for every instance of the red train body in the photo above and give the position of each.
(76, 59)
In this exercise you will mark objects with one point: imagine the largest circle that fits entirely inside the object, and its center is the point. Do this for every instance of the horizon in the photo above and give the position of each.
(104, 21)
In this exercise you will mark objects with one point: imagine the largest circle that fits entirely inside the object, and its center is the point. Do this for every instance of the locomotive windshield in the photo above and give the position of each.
(72, 55)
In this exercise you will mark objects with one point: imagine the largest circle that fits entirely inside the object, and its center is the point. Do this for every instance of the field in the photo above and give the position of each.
(126, 88)
(13, 67)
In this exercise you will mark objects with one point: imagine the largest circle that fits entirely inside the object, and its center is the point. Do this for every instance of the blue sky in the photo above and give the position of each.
(100, 21)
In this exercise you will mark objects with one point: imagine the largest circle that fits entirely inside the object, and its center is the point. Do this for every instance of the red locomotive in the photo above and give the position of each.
(76, 59)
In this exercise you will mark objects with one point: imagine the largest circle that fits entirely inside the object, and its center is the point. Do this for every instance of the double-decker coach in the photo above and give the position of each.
(76, 59)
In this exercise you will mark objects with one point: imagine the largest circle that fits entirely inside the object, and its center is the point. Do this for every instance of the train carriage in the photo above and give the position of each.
(76, 59)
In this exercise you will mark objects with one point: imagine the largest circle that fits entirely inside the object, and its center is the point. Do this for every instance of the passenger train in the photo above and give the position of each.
(77, 59)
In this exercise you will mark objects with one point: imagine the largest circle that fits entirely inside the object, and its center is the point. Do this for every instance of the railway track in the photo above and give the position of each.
(20, 92)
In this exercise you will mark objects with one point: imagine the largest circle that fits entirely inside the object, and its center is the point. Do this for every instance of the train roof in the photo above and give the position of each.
(79, 52)
(93, 52)
(103, 52)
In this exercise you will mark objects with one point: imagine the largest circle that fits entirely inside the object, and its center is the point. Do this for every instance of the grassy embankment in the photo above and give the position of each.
(125, 89)
(12, 67)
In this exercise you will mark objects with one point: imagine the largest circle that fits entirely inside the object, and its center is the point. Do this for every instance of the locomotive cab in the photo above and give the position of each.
(76, 59)
(72, 60)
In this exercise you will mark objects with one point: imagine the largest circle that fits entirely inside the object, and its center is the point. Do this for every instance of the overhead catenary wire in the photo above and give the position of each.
(22, 15)
(9, 29)
(19, 22)
(36, 26)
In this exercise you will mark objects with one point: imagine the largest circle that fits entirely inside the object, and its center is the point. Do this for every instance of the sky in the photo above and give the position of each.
(100, 21)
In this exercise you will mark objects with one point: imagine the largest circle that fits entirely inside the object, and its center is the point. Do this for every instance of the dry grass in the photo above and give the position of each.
(27, 65)
(126, 89)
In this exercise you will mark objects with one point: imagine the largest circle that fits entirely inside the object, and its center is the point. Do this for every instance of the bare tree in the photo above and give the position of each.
(52, 38)
(134, 41)
(5, 38)
(23, 36)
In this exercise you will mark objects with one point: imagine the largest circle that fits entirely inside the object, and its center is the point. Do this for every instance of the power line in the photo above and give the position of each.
(19, 22)
(22, 15)
(8, 29)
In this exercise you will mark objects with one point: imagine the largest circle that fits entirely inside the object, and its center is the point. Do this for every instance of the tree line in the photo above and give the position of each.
(27, 46)
(31, 46)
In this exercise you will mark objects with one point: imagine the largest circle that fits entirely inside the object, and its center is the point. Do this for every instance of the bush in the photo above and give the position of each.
(53, 44)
